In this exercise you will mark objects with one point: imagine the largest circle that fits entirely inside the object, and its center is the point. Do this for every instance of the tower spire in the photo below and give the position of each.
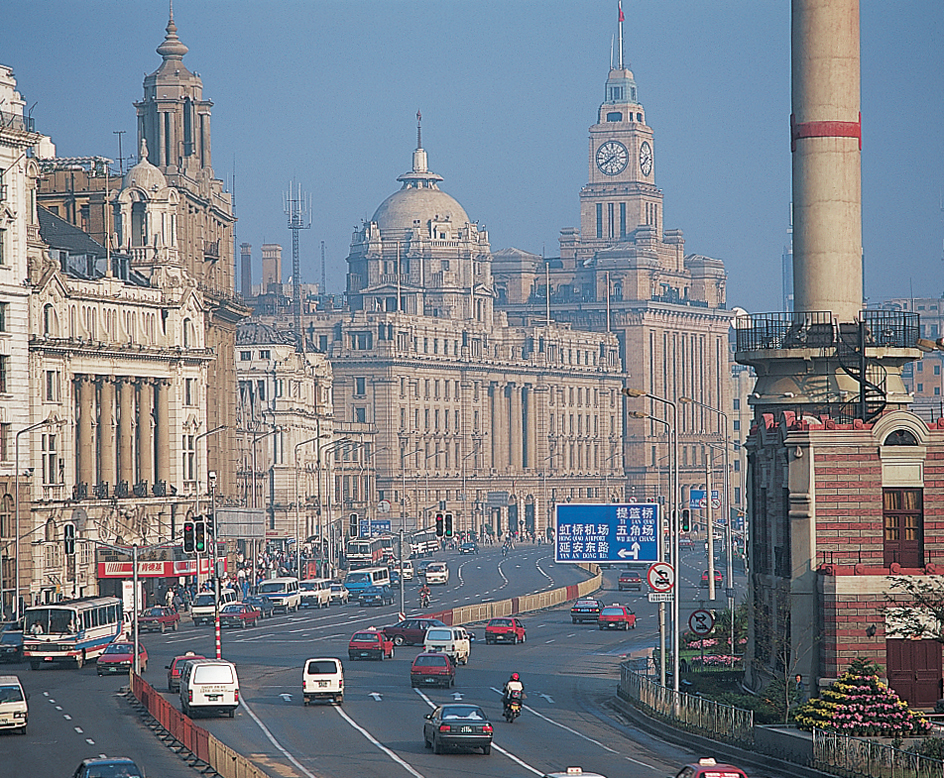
(620, 34)
(419, 130)
(172, 47)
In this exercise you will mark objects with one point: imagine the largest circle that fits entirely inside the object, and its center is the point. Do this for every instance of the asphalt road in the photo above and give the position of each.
(570, 672)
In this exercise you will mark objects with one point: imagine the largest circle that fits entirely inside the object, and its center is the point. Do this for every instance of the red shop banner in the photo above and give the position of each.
(166, 568)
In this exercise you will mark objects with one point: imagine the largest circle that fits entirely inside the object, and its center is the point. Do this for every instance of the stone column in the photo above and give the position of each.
(86, 448)
(106, 430)
(126, 430)
(162, 429)
(531, 429)
(145, 431)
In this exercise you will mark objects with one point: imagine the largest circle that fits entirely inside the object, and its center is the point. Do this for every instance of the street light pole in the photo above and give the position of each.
(426, 507)
(196, 491)
(298, 545)
(403, 523)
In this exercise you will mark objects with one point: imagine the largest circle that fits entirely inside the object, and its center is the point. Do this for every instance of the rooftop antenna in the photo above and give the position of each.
(612, 43)
(324, 282)
(298, 209)
(419, 130)
(620, 34)
(121, 160)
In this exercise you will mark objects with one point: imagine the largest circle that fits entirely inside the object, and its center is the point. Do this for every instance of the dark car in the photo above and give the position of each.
(468, 548)
(175, 667)
(432, 669)
(586, 609)
(159, 619)
(421, 567)
(11, 646)
(108, 767)
(457, 726)
(505, 630)
(376, 595)
(411, 631)
(629, 580)
(118, 657)
(238, 614)
(263, 605)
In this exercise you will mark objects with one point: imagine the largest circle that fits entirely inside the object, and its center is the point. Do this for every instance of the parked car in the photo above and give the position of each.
(376, 595)
(629, 579)
(457, 726)
(586, 609)
(264, 605)
(339, 594)
(369, 644)
(411, 631)
(617, 617)
(11, 646)
(505, 630)
(175, 668)
(432, 669)
(108, 767)
(239, 614)
(118, 658)
(707, 767)
(719, 579)
(158, 619)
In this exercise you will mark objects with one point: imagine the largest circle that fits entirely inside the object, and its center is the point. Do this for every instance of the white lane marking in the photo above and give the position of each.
(51, 700)
(67, 717)
(552, 640)
(58, 707)
(90, 741)
(79, 730)
(396, 758)
(497, 747)
(272, 739)
(376, 695)
(45, 694)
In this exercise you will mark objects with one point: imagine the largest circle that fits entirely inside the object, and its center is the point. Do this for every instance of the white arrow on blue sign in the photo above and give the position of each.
(597, 532)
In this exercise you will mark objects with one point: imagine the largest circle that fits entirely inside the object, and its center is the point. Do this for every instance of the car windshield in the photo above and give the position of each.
(612, 611)
(10, 694)
(437, 568)
(438, 634)
(429, 661)
(321, 667)
(119, 770)
(336, 587)
(13, 638)
(154, 612)
(213, 674)
(357, 578)
(308, 586)
(50, 620)
(119, 648)
(271, 588)
(471, 712)
(365, 637)
(203, 599)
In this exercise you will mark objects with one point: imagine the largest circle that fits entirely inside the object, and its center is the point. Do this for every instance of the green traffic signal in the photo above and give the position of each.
(199, 537)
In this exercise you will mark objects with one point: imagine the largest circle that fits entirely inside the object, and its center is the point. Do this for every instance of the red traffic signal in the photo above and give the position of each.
(188, 537)
(440, 525)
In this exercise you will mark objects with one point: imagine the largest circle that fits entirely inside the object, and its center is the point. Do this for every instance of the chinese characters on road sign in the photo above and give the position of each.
(607, 533)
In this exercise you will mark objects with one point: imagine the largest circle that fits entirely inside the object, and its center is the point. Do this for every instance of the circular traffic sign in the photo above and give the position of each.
(701, 622)
(702, 503)
(716, 502)
(384, 506)
(661, 577)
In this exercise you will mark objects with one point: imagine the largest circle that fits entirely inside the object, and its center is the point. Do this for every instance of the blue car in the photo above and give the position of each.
(262, 604)
(376, 595)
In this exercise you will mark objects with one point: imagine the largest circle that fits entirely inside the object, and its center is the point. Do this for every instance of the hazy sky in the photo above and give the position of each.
(326, 93)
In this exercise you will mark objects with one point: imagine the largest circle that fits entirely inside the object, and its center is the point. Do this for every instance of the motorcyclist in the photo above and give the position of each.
(513, 684)
(425, 593)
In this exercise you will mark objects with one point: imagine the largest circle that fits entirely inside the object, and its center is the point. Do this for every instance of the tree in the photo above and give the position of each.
(918, 605)
(860, 704)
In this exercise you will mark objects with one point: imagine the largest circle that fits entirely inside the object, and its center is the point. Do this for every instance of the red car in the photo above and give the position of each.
(159, 619)
(706, 767)
(432, 668)
(173, 669)
(118, 657)
(370, 644)
(629, 580)
(239, 614)
(616, 617)
(505, 630)
(719, 579)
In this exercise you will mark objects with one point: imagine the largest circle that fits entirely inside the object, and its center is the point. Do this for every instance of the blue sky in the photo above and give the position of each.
(325, 92)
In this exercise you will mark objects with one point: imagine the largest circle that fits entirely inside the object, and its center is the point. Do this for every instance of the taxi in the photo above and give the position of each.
(158, 619)
(617, 616)
(505, 630)
(118, 658)
(707, 767)
(586, 609)
(370, 644)
(174, 668)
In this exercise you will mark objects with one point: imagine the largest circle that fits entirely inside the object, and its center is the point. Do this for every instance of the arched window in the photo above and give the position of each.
(901, 437)
(51, 531)
(50, 322)
(187, 325)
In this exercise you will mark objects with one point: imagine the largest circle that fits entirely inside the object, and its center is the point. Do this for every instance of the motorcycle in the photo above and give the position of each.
(512, 707)
(424, 600)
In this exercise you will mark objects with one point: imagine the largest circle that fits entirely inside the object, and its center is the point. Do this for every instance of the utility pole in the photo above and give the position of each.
(297, 209)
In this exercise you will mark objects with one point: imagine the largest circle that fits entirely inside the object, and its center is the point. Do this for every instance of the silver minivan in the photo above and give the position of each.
(14, 710)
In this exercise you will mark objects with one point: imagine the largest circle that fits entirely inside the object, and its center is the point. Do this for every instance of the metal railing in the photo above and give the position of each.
(852, 757)
(687, 711)
(16, 121)
(817, 329)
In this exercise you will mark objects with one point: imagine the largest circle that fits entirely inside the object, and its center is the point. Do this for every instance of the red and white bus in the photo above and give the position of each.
(364, 552)
(72, 631)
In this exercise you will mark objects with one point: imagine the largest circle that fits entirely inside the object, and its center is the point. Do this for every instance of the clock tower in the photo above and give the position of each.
(621, 194)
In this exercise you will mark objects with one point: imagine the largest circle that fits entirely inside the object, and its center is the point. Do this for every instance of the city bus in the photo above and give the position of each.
(72, 631)
(364, 552)
(423, 543)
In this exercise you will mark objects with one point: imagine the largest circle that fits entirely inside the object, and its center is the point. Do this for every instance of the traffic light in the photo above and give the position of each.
(210, 528)
(448, 525)
(440, 525)
(199, 537)
(68, 538)
(686, 520)
(188, 537)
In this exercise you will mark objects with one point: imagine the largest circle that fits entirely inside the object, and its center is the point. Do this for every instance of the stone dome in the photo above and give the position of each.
(144, 175)
(420, 200)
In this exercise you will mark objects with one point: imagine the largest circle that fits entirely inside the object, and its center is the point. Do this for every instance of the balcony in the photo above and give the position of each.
(818, 329)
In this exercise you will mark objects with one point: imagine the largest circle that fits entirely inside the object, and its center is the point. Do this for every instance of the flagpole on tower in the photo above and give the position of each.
(620, 34)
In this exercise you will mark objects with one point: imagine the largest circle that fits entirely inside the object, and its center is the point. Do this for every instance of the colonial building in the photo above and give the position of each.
(466, 413)
(623, 272)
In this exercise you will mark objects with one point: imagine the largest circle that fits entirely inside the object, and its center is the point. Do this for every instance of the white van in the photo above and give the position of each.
(281, 592)
(315, 592)
(209, 685)
(407, 570)
(323, 679)
(452, 641)
(203, 608)
(437, 573)
(14, 711)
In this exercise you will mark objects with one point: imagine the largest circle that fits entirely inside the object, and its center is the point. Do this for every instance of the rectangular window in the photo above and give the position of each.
(322, 343)
(4, 374)
(245, 356)
(6, 430)
(599, 220)
(611, 220)
(3, 245)
(50, 459)
(622, 220)
(360, 414)
(4, 309)
(264, 354)
(52, 386)
(903, 514)
(737, 428)
(190, 394)
(737, 403)
(920, 388)
(189, 457)
(261, 390)
(360, 386)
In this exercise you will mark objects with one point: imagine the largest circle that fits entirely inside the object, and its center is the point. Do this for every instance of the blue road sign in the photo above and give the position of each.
(363, 528)
(379, 526)
(696, 498)
(599, 532)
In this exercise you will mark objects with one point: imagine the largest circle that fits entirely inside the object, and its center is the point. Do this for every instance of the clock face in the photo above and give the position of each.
(645, 158)
(612, 158)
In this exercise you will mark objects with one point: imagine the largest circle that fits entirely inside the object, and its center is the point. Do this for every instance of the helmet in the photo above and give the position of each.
(514, 676)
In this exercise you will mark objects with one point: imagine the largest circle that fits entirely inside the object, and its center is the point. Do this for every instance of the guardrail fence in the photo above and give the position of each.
(853, 757)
